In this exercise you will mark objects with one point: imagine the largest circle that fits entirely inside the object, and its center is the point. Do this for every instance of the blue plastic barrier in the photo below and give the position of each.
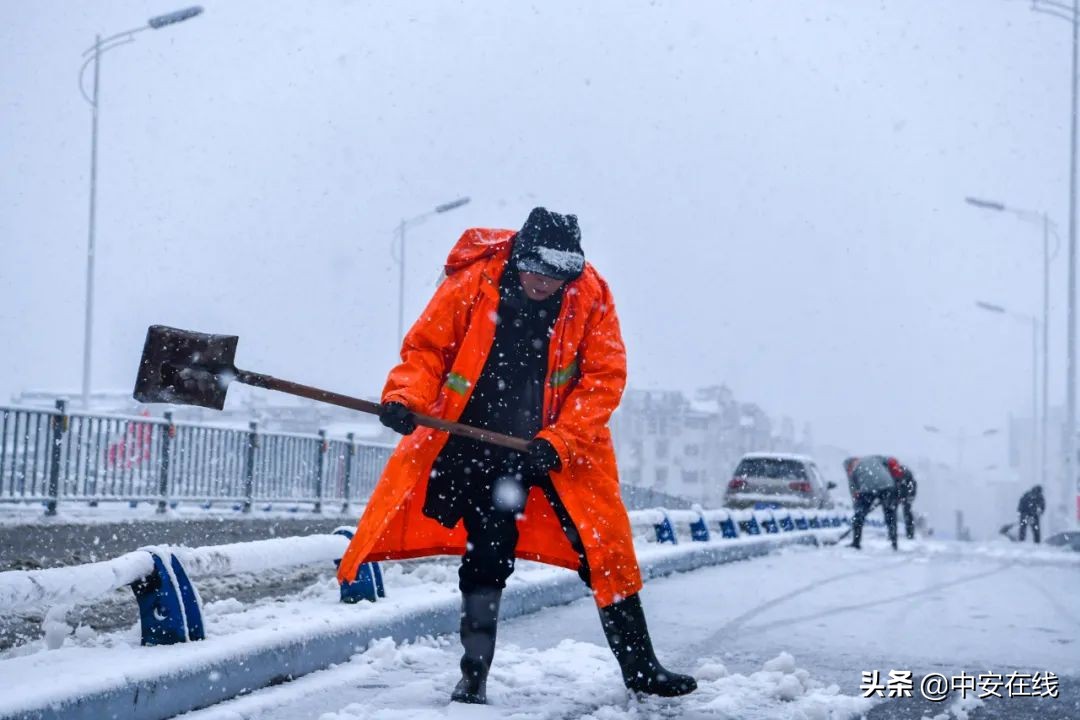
(368, 584)
(699, 529)
(665, 531)
(768, 523)
(169, 608)
(800, 521)
(728, 528)
(786, 523)
(750, 527)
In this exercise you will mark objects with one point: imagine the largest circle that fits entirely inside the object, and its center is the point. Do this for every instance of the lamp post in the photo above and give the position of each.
(960, 439)
(1071, 14)
(99, 48)
(402, 226)
(1043, 219)
(1040, 472)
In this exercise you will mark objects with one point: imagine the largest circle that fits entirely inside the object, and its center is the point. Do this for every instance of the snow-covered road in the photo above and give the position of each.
(785, 636)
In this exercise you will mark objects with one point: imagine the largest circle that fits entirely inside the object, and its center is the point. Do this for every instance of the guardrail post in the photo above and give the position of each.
(786, 523)
(168, 433)
(800, 521)
(729, 528)
(347, 491)
(749, 525)
(769, 524)
(249, 467)
(320, 470)
(665, 531)
(368, 584)
(169, 608)
(699, 529)
(59, 424)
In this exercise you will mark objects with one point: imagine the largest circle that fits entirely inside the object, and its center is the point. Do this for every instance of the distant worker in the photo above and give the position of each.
(870, 482)
(905, 493)
(1031, 506)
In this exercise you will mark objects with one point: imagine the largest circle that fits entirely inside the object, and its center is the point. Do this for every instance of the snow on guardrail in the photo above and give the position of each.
(170, 607)
(22, 590)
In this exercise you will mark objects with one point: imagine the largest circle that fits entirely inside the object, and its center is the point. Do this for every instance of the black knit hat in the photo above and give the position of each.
(549, 244)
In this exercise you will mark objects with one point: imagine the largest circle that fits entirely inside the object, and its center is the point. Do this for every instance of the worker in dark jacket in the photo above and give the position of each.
(905, 493)
(870, 482)
(1031, 506)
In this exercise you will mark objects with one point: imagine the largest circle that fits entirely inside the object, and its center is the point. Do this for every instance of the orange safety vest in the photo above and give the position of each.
(442, 357)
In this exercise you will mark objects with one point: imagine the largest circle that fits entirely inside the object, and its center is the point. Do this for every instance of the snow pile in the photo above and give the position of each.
(960, 709)
(575, 679)
(779, 689)
(716, 516)
(261, 555)
(652, 516)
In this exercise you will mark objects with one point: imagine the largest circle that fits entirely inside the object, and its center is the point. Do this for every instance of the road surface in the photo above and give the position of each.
(785, 636)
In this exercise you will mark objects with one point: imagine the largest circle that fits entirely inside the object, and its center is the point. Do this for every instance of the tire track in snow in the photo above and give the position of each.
(882, 601)
(736, 623)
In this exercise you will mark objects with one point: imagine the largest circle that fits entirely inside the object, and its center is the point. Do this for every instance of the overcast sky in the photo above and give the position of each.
(773, 190)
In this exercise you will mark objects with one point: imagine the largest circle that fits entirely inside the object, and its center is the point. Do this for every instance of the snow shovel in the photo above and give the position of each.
(191, 368)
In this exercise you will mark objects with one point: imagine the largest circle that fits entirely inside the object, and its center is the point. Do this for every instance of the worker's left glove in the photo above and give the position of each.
(542, 456)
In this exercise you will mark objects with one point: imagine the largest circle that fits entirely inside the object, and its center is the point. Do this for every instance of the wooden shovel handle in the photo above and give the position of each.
(272, 383)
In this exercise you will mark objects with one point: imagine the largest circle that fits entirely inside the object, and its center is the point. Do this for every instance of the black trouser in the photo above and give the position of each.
(909, 519)
(863, 504)
(1033, 521)
(490, 492)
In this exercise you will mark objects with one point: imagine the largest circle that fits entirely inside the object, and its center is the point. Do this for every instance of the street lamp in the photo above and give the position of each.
(960, 439)
(999, 310)
(1070, 14)
(1047, 226)
(445, 207)
(99, 48)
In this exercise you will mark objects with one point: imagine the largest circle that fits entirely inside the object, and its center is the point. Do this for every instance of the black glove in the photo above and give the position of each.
(542, 456)
(397, 417)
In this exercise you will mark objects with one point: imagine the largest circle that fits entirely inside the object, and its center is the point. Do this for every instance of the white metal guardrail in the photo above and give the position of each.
(55, 456)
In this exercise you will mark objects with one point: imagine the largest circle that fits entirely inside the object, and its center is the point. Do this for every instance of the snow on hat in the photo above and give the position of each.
(549, 244)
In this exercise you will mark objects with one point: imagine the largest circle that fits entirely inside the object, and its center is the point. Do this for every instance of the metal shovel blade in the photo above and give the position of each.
(185, 368)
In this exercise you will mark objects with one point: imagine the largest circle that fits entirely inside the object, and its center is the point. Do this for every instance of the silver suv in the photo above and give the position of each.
(777, 479)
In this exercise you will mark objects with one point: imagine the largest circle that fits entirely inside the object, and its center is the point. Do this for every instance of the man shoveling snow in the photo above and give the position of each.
(520, 338)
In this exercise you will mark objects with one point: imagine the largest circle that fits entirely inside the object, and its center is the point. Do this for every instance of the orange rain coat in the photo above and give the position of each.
(442, 357)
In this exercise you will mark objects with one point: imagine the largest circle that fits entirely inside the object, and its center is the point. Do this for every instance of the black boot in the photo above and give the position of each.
(479, 621)
(628, 636)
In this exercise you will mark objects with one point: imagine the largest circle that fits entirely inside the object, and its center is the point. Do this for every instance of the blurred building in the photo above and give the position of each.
(688, 447)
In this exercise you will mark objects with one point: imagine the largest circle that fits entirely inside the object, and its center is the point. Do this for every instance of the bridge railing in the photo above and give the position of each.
(54, 456)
